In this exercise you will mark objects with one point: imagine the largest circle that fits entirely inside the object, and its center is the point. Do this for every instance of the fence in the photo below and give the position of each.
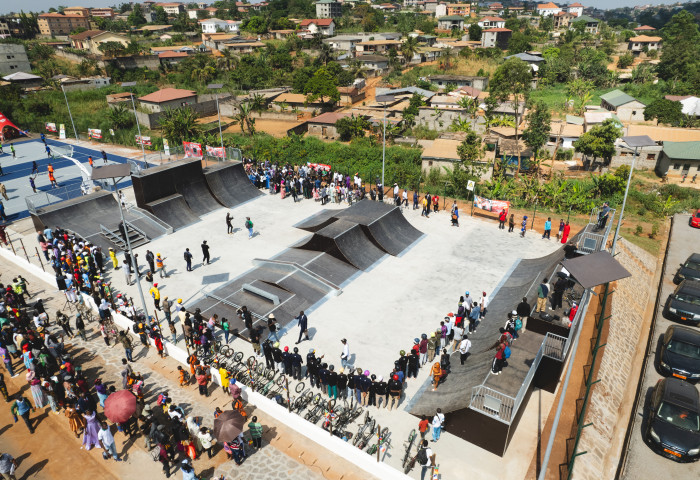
(56, 195)
(493, 403)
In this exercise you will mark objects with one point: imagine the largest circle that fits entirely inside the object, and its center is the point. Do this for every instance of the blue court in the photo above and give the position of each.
(17, 172)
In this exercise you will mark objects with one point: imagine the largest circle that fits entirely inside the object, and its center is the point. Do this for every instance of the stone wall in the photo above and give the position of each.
(604, 439)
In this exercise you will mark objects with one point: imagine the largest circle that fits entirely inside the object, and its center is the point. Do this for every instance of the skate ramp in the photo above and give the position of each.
(229, 184)
(174, 211)
(392, 232)
(198, 197)
(317, 222)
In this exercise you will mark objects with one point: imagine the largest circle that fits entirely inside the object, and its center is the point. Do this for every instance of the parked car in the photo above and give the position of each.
(689, 269)
(680, 353)
(673, 420)
(695, 219)
(683, 304)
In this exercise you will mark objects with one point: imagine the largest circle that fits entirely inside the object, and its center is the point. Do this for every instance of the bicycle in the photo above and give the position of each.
(382, 442)
(409, 444)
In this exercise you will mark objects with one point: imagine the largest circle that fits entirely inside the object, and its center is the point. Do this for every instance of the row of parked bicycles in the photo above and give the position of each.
(333, 415)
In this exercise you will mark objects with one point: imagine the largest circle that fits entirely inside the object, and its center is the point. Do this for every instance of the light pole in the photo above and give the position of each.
(383, 99)
(216, 87)
(138, 126)
(119, 171)
(635, 142)
(75, 132)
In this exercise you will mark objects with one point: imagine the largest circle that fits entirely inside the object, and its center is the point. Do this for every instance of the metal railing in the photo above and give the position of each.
(553, 346)
(493, 403)
(140, 214)
(231, 304)
(52, 196)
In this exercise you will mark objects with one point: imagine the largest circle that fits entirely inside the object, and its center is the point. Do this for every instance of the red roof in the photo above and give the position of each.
(645, 27)
(321, 22)
(60, 15)
(172, 55)
(498, 30)
(86, 34)
(167, 95)
(492, 19)
(575, 5)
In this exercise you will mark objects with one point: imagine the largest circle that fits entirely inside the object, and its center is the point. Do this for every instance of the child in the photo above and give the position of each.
(523, 229)
(423, 426)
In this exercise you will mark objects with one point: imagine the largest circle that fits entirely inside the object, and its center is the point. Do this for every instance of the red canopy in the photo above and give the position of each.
(5, 122)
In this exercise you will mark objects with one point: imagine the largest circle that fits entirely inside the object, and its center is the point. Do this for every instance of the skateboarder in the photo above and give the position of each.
(205, 252)
(48, 151)
(104, 155)
(249, 226)
(35, 168)
(229, 225)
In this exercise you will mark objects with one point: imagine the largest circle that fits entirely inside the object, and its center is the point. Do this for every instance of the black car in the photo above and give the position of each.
(684, 304)
(690, 269)
(680, 353)
(673, 424)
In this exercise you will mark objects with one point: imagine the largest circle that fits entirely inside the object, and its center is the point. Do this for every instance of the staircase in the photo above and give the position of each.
(136, 236)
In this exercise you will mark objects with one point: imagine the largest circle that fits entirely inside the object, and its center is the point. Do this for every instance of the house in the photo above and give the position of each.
(665, 134)
(644, 29)
(91, 40)
(326, 26)
(171, 8)
(491, 22)
(13, 58)
(375, 47)
(591, 23)
(24, 80)
(345, 43)
(172, 58)
(80, 11)
(562, 20)
(118, 98)
(241, 46)
(643, 43)
(374, 63)
(214, 25)
(52, 24)
(445, 101)
(690, 105)
(443, 153)
(323, 126)
(329, 9)
(496, 7)
(461, 9)
(575, 9)
(591, 119)
(86, 83)
(480, 83)
(102, 12)
(426, 54)
(496, 37)
(297, 101)
(350, 95)
(158, 101)
(679, 158)
(627, 108)
(565, 134)
(451, 22)
(547, 9)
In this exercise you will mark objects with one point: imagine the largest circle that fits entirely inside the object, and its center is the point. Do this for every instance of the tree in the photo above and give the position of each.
(665, 111)
(136, 18)
(624, 61)
(179, 124)
(160, 16)
(255, 24)
(519, 43)
(679, 59)
(244, 118)
(120, 117)
(409, 114)
(322, 85)
(599, 141)
(111, 49)
(409, 48)
(470, 166)
(351, 127)
(539, 126)
(511, 83)
(475, 32)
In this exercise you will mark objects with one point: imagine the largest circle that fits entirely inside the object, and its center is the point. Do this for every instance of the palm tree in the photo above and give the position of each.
(446, 58)
(202, 74)
(227, 61)
(257, 103)
(244, 118)
(120, 117)
(409, 48)
(179, 124)
(325, 53)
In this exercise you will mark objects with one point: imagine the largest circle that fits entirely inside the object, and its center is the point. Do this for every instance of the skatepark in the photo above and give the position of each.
(372, 273)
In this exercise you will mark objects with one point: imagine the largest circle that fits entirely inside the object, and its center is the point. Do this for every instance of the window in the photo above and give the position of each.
(651, 156)
(634, 112)
(676, 166)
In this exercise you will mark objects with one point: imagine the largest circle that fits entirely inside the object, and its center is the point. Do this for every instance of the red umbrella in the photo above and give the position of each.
(120, 406)
(228, 425)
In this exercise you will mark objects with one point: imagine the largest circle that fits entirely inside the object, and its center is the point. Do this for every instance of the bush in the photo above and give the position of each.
(638, 230)
(565, 154)
(654, 230)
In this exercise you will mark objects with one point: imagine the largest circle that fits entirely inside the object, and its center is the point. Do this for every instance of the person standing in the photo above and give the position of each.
(561, 229)
(21, 407)
(249, 226)
(48, 151)
(464, 347)
(302, 323)
(80, 326)
(205, 252)
(502, 219)
(565, 233)
(345, 355)
(155, 293)
(125, 340)
(8, 466)
(394, 387)
(160, 266)
(272, 326)
(415, 200)
(511, 223)
(423, 427)
(150, 259)
(32, 184)
(558, 294)
(523, 227)
(3, 191)
(188, 259)
(12, 149)
(498, 359)
(426, 459)
(437, 423)
(104, 156)
(436, 203)
(547, 228)
(542, 292)
(229, 225)
(603, 216)
(106, 439)
(523, 310)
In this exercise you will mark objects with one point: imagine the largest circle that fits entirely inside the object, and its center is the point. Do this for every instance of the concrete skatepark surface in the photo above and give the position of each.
(379, 312)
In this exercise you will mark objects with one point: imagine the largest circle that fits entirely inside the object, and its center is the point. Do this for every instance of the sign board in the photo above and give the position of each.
(319, 166)
(143, 140)
(111, 132)
(470, 185)
(51, 127)
(495, 206)
(216, 152)
(94, 133)
(62, 132)
(192, 149)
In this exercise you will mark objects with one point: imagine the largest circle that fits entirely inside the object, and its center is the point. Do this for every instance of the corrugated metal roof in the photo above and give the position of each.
(682, 150)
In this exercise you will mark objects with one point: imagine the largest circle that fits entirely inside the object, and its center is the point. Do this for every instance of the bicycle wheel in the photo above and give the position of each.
(260, 369)
(410, 465)
(372, 449)
(385, 433)
(238, 357)
(299, 388)
(251, 362)
(281, 380)
(270, 373)
(226, 351)
(317, 399)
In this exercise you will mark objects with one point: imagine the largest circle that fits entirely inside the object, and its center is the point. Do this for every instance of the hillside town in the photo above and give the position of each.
(476, 114)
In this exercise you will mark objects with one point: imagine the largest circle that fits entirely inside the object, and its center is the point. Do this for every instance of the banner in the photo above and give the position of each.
(62, 132)
(5, 122)
(216, 152)
(94, 133)
(143, 140)
(166, 147)
(51, 127)
(192, 149)
(495, 206)
(319, 166)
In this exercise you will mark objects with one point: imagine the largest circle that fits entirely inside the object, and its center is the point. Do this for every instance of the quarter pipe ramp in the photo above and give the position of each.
(229, 184)
(174, 211)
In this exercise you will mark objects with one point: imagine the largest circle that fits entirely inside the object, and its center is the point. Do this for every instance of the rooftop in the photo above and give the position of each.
(617, 98)
(491, 19)
(442, 148)
(682, 150)
(544, 6)
(172, 55)
(321, 22)
(293, 98)
(644, 28)
(167, 95)
(645, 39)
(450, 18)
(329, 118)
(497, 30)
(21, 76)
(665, 134)
(86, 34)
(372, 58)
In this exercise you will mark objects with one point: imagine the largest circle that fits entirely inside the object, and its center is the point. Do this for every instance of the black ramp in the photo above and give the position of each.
(174, 211)
(393, 232)
(357, 248)
(318, 221)
(229, 184)
(198, 196)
